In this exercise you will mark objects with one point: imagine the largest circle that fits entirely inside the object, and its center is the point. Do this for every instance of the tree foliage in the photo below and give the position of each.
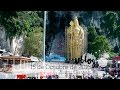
(112, 54)
(27, 23)
(34, 43)
(109, 24)
(19, 22)
(97, 44)
(100, 45)
(92, 34)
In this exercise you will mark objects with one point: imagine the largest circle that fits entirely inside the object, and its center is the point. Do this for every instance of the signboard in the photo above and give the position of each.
(21, 76)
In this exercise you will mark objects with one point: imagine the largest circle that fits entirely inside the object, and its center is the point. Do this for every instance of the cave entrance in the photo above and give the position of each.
(58, 45)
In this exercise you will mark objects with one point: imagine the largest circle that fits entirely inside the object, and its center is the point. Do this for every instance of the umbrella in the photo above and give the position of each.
(102, 62)
(116, 58)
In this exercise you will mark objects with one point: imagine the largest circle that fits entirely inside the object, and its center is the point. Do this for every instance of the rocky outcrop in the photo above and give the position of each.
(58, 20)
(15, 47)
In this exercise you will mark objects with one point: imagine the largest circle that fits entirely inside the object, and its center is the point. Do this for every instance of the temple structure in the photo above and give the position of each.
(74, 41)
(6, 62)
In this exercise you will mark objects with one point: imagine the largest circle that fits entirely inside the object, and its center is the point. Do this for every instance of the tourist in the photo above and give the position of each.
(49, 77)
(118, 73)
(91, 77)
(78, 77)
(57, 77)
(41, 77)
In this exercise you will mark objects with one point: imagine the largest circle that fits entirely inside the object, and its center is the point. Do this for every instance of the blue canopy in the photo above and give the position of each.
(55, 57)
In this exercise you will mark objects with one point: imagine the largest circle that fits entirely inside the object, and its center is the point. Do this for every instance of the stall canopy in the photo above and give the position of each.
(55, 57)
(117, 58)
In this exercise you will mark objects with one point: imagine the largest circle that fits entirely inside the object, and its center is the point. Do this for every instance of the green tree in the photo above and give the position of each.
(112, 54)
(27, 23)
(109, 24)
(92, 34)
(19, 22)
(33, 45)
(100, 45)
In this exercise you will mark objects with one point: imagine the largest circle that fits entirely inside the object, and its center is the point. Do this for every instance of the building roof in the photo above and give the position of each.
(14, 58)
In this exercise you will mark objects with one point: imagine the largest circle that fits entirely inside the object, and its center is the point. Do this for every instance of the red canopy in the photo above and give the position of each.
(116, 58)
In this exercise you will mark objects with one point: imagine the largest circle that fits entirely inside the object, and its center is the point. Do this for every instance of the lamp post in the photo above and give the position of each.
(44, 35)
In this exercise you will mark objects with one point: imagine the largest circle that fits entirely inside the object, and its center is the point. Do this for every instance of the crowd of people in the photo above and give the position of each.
(112, 72)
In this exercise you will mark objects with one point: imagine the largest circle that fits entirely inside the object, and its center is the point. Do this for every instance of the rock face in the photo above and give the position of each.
(58, 46)
(58, 20)
(4, 42)
(56, 23)
(15, 47)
